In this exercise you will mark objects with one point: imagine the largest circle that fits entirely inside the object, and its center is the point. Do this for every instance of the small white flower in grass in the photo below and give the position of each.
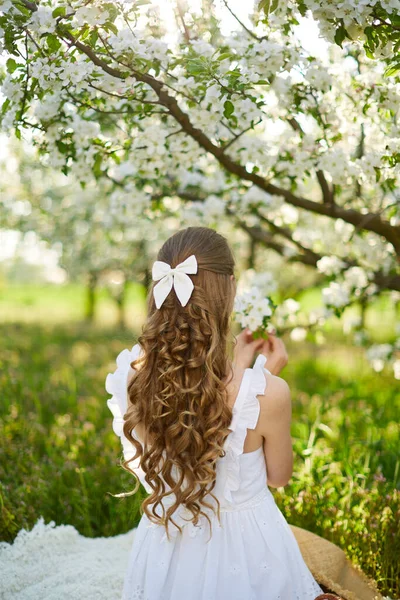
(378, 365)
(359, 338)
(396, 368)
(378, 354)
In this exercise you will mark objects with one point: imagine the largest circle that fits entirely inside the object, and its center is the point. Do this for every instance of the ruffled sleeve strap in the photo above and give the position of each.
(117, 386)
(245, 414)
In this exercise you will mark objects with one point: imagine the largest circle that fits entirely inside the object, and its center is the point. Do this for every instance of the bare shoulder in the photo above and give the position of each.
(276, 402)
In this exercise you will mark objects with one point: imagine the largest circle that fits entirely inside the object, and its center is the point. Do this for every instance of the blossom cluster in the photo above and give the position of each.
(355, 16)
(253, 310)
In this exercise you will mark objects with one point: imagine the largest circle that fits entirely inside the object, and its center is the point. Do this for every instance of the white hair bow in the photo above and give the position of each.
(177, 277)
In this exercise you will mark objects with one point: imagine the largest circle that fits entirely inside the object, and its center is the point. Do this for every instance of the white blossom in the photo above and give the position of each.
(378, 354)
(335, 295)
(252, 308)
(396, 368)
(298, 334)
(330, 265)
(42, 20)
(356, 277)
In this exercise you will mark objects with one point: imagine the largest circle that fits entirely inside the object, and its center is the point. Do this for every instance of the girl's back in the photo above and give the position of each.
(206, 438)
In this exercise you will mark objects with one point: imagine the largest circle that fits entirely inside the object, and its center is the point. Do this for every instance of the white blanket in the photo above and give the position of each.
(57, 563)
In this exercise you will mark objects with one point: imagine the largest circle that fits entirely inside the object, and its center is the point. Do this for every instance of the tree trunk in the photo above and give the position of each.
(121, 304)
(251, 259)
(363, 311)
(147, 279)
(91, 298)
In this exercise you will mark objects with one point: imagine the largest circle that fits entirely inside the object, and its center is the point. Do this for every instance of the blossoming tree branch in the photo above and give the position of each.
(298, 151)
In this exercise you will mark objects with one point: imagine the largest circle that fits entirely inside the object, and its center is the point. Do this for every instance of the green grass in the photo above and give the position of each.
(60, 457)
(59, 454)
(52, 304)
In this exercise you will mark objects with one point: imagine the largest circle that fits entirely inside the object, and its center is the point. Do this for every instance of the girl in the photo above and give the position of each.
(208, 435)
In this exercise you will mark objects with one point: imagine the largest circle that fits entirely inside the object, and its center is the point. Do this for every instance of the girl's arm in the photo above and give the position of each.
(274, 426)
(276, 415)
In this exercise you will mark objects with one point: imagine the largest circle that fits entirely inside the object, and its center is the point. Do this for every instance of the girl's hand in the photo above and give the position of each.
(245, 349)
(275, 351)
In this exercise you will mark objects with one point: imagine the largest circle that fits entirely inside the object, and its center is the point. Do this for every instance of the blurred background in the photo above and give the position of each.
(75, 266)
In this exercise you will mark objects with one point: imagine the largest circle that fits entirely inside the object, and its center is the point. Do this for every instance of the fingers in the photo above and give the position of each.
(275, 341)
(257, 344)
(244, 335)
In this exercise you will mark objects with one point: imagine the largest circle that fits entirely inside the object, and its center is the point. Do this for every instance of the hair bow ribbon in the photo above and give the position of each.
(178, 278)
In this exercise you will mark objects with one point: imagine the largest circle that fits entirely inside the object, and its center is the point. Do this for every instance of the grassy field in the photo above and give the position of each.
(60, 458)
(55, 304)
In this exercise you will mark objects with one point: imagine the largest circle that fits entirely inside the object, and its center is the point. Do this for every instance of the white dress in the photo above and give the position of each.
(252, 555)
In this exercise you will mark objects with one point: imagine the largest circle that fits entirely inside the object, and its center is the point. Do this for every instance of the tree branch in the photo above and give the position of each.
(383, 281)
(286, 233)
(306, 256)
(251, 33)
(237, 136)
(327, 193)
(375, 222)
(182, 20)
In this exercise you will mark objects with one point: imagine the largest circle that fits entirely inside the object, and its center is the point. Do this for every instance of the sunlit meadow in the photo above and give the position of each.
(60, 458)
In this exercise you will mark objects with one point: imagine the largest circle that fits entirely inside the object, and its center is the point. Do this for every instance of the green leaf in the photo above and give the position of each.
(25, 11)
(93, 37)
(5, 105)
(85, 31)
(108, 26)
(268, 6)
(18, 133)
(340, 35)
(392, 70)
(229, 109)
(112, 11)
(97, 166)
(53, 42)
(195, 67)
(302, 8)
(12, 65)
(59, 12)
(224, 56)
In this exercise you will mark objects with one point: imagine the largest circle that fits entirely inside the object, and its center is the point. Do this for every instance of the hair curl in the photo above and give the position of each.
(178, 394)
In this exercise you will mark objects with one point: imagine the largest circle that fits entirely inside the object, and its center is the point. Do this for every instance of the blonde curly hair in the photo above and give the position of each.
(178, 394)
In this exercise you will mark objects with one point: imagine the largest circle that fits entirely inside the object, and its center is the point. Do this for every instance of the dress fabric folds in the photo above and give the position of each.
(252, 553)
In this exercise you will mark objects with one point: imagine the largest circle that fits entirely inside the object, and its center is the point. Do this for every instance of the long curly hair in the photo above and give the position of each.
(178, 394)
